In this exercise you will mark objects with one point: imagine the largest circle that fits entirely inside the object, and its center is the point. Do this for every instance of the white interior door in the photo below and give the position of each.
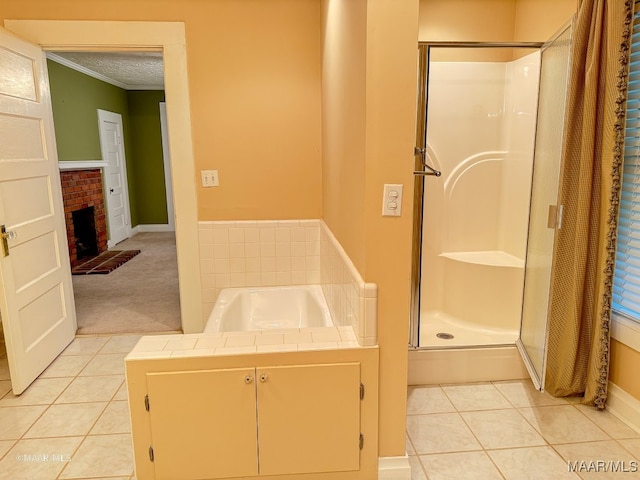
(36, 296)
(115, 176)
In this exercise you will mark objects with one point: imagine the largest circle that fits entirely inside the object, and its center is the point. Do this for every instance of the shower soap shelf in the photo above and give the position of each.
(493, 258)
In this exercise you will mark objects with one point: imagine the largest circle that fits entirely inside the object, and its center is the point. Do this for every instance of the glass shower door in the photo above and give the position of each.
(546, 215)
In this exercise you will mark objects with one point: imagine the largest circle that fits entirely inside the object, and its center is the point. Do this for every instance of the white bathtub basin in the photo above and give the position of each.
(264, 308)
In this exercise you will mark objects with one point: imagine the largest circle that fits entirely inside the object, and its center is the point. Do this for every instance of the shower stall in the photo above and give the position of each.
(489, 138)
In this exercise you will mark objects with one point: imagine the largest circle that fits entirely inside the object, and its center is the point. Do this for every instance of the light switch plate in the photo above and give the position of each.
(392, 200)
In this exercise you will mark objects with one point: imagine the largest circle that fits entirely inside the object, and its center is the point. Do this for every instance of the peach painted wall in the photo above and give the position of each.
(493, 20)
(369, 75)
(392, 35)
(344, 27)
(624, 368)
(538, 20)
(467, 20)
(255, 83)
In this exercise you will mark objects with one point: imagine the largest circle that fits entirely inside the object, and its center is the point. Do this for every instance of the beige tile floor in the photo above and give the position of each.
(73, 421)
(509, 430)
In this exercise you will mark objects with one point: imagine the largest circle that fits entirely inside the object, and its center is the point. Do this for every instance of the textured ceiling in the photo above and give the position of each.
(131, 69)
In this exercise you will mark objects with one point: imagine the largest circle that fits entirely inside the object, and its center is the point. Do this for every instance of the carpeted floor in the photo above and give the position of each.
(140, 296)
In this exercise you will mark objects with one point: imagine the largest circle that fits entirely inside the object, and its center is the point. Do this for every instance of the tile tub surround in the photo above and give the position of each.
(270, 253)
(243, 343)
(351, 300)
(257, 254)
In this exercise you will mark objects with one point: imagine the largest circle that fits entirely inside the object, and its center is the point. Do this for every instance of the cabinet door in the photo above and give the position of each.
(309, 418)
(203, 423)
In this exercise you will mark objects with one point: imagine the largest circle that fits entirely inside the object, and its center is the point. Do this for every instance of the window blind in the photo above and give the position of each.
(626, 283)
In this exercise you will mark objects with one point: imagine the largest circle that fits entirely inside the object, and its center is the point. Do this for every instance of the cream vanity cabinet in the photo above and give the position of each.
(254, 421)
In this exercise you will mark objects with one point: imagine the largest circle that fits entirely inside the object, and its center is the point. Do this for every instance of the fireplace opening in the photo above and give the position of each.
(86, 237)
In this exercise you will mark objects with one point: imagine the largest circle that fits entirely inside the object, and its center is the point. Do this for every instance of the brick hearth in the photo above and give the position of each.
(82, 189)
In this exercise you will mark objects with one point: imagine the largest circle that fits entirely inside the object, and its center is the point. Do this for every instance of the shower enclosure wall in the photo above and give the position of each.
(481, 125)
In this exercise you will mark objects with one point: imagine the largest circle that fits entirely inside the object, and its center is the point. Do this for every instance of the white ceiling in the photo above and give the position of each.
(128, 70)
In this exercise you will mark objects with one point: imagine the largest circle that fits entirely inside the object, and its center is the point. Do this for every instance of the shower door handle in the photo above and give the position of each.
(430, 171)
(554, 217)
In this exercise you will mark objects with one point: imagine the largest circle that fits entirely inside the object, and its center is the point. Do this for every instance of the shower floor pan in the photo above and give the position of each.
(465, 333)
(474, 354)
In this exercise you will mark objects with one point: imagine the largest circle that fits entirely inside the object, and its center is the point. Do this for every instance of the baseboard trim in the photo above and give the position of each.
(624, 406)
(394, 468)
(152, 228)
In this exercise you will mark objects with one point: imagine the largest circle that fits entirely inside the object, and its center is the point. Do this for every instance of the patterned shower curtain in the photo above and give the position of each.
(581, 283)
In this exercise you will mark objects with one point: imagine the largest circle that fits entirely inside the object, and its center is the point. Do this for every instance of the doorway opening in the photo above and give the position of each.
(115, 100)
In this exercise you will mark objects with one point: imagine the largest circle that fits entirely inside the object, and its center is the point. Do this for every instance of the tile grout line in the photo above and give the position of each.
(93, 355)
(563, 406)
(48, 406)
(101, 413)
(609, 437)
(458, 412)
(484, 449)
(106, 403)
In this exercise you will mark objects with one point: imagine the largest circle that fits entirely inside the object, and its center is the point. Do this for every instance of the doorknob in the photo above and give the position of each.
(11, 235)
(111, 190)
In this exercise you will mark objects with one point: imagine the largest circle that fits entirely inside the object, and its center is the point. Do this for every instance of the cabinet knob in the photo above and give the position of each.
(248, 379)
(264, 377)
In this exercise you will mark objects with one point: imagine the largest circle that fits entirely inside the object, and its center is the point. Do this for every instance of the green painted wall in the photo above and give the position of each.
(146, 148)
(76, 97)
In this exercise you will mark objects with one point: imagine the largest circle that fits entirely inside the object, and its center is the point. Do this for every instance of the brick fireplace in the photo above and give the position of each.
(82, 189)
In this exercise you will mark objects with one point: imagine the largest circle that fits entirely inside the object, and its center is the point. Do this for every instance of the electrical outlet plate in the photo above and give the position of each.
(209, 178)
(392, 200)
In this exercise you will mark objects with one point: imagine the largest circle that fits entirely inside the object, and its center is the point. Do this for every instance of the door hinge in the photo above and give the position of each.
(362, 391)
(361, 441)
(151, 457)
(146, 402)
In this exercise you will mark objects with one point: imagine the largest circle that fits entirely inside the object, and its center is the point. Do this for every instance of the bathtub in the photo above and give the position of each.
(264, 308)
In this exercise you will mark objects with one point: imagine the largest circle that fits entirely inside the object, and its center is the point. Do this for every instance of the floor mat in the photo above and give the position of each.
(105, 263)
